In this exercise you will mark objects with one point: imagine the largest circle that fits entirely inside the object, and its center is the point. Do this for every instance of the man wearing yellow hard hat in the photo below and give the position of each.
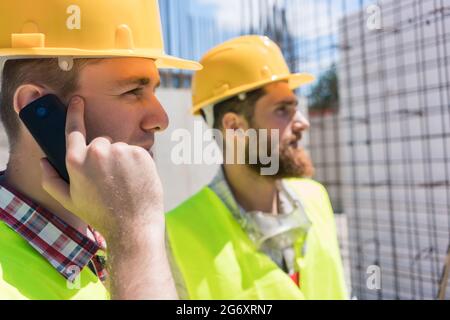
(101, 58)
(248, 235)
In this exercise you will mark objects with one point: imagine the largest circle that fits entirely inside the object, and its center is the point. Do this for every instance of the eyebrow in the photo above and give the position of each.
(289, 102)
(141, 81)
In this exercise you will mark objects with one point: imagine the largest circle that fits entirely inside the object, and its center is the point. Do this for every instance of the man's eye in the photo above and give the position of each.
(136, 92)
(281, 110)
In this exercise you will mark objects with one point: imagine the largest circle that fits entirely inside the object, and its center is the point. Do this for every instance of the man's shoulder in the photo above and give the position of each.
(203, 199)
(16, 251)
(308, 187)
(12, 243)
(19, 262)
(26, 275)
(315, 198)
(7, 291)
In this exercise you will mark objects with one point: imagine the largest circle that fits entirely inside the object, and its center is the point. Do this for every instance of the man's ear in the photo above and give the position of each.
(233, 121)
(26, 94)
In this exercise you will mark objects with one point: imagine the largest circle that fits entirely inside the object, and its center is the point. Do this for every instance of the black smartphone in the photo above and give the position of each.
(45, 119)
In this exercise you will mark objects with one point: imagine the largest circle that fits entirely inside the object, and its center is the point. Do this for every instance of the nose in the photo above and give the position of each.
(156, 118)
(300, 123)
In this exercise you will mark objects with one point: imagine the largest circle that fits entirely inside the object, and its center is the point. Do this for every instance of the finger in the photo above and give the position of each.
(54, 185)
(75, 127)
(98, 149)
(106, 139)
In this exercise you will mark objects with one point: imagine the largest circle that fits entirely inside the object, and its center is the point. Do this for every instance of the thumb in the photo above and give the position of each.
(54, 185)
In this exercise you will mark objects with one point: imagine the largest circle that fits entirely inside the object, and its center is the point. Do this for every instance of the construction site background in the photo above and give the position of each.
(380, 123)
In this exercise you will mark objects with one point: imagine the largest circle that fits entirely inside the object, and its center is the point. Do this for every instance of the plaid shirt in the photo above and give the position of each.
(66, 249)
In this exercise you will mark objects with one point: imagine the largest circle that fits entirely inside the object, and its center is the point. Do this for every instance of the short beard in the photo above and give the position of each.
(294, 163)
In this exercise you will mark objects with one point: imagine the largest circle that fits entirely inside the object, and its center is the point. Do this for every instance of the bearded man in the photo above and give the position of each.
(254, 232)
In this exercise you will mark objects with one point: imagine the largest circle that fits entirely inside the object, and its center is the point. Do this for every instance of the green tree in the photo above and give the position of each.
(325, 94)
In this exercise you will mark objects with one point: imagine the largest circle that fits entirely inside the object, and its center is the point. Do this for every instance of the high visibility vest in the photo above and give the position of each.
(218, 261)
(26, 275)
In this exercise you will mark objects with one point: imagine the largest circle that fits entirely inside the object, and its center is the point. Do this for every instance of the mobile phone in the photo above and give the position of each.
(45, 118)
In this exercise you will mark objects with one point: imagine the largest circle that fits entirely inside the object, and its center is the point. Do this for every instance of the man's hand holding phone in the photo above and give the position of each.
(115, 188)
(111, 184)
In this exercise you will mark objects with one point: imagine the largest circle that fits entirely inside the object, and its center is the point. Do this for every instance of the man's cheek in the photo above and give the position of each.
(95, 129)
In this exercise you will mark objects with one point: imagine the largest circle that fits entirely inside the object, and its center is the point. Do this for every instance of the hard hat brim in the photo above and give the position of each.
(170, 62)
(163, 61)
(295, 81)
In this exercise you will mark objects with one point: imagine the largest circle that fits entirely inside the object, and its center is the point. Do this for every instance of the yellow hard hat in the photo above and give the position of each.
(241, 65)
(83, 29)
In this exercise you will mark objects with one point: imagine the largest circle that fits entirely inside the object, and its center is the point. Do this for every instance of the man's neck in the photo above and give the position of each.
(252, 191)
(24, 175)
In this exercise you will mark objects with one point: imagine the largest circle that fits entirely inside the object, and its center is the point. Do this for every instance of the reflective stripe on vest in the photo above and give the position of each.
(218, 260)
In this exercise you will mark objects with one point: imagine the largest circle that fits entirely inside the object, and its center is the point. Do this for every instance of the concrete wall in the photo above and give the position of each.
(179, 181)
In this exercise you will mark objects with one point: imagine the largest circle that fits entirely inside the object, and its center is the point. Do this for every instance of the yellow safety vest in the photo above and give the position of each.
(218, 261)
(26, 275)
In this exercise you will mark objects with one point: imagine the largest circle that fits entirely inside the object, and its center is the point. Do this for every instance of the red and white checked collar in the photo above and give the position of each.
(67, 250)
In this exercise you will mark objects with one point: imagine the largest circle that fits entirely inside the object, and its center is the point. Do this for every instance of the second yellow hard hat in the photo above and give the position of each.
(238, 66)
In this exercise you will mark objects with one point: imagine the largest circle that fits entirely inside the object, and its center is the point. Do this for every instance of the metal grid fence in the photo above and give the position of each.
(395, 101)
(380, 114)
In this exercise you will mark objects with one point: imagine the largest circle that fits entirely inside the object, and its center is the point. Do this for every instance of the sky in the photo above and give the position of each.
(198, 25)
(228, 12)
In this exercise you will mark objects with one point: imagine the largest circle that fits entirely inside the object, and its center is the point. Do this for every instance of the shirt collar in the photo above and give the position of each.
(66, 249)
